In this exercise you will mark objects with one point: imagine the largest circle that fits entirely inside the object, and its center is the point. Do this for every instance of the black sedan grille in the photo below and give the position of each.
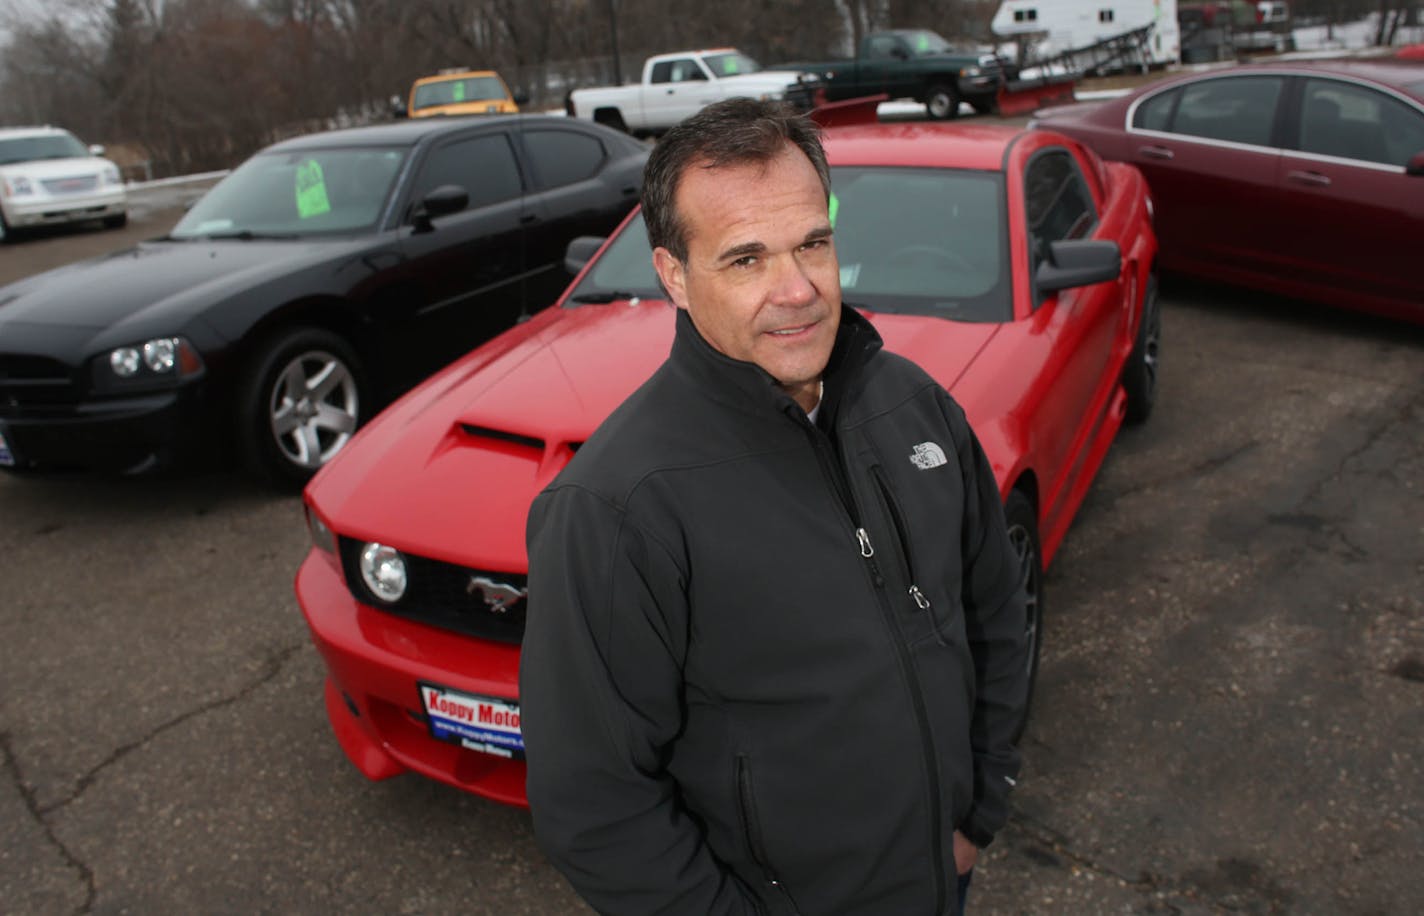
(27, 380)
(489, 605)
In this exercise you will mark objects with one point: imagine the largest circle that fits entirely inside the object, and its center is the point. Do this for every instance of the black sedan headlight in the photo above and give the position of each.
(155, 363)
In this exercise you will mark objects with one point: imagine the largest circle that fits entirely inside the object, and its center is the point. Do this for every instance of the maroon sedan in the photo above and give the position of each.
(1301, 178)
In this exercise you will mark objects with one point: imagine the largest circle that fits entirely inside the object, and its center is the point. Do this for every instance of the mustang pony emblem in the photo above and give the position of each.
(498, 596)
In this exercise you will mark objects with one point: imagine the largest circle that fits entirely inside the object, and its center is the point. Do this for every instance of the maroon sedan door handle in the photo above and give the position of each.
(1311, 178)
(1155, 152)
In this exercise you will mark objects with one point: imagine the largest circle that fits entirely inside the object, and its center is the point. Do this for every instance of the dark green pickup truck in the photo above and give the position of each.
(916, 64)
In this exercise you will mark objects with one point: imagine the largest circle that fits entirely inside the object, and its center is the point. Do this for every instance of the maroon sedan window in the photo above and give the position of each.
(1356, 122)
(1239, 109)
(1156, 112)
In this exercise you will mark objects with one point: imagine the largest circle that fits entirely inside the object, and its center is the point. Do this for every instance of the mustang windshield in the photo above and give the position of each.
(306, 192)
(914, 241)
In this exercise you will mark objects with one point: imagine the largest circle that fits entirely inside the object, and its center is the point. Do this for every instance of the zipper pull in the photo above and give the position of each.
(865, 549)
(920, 600)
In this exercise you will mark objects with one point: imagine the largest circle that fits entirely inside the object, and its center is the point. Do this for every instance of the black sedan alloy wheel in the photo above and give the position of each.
(302, 404)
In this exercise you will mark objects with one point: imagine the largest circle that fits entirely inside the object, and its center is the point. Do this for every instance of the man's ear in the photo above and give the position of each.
(673, 274)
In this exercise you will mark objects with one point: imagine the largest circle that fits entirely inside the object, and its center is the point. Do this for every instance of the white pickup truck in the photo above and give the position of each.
(678, 84)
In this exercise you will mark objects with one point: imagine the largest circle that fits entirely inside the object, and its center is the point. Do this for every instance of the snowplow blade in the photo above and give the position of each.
(863, 110)
(1023, 96)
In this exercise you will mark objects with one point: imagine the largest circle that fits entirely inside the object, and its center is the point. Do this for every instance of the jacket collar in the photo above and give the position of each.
(747, 386)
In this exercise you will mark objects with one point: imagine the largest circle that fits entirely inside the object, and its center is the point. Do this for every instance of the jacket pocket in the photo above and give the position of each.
(751, 829)
(921, 602)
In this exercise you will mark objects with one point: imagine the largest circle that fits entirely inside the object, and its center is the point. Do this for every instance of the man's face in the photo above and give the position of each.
(761, 282)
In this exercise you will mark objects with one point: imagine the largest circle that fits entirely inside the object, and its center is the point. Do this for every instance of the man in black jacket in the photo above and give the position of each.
(775, 655)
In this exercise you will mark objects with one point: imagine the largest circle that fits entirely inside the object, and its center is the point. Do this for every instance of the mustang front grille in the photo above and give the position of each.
(476, 602)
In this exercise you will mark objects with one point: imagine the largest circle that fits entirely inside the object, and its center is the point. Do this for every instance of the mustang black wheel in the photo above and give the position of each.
(301, 404)
(1023, 534)
(1139, 375)
(942, 102)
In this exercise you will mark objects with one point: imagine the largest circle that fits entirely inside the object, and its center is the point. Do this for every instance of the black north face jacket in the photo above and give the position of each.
(767, 669)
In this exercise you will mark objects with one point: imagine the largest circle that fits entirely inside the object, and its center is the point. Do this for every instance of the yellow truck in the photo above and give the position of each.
(459, 92)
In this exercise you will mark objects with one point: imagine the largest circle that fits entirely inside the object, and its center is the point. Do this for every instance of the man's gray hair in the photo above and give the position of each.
(731, 132)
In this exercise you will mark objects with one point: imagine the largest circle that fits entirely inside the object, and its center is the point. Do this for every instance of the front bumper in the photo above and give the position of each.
(133, 433)
(374, 663)
(49, 210)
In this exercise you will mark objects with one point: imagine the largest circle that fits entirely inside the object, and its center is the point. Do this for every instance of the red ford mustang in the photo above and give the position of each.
(1304, 178)
(1016, 267)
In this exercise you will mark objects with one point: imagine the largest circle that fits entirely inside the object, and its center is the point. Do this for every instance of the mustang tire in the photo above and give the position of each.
(301, 402)
(1139, 375)
(1023, 534)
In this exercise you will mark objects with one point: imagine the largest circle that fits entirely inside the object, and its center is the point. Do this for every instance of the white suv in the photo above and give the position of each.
(47, 176)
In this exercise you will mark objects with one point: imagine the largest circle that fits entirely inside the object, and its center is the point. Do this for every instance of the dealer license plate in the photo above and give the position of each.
(7, 457)
(484, 724)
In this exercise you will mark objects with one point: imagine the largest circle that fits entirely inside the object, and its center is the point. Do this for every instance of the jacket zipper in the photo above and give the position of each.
(752, 824)
(898, 522)
(831, 467)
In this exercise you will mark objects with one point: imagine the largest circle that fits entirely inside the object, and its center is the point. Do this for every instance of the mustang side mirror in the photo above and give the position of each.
(580, 251)
(1077, 262)
(444, 200)
(1415, 165)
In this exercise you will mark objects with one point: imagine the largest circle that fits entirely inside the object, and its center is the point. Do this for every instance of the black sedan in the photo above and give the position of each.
(324, 275)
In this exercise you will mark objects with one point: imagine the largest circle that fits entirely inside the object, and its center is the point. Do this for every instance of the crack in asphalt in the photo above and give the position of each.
(1371, 438)
(1205, 466)
(40, 813)
(17, 778)
(271, 668)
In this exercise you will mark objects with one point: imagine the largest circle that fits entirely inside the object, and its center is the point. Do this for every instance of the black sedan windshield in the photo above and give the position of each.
(915, 241)
(297, 193)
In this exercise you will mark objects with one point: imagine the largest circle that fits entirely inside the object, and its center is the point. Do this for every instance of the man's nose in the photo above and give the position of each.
(790, 283)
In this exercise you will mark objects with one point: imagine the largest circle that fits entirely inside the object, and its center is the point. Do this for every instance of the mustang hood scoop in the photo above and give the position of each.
(455, 464)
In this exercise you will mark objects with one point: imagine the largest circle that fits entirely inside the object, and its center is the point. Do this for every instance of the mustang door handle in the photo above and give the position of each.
(1155, 152)
(1311, 178)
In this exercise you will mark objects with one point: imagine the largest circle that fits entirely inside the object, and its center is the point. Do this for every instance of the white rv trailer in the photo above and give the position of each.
(1056, 26)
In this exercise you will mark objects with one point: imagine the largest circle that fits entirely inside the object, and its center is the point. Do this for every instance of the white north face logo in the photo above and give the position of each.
(927, 455)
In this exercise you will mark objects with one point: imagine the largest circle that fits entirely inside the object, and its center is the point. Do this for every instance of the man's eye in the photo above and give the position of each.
(745, 261)
(816, 244)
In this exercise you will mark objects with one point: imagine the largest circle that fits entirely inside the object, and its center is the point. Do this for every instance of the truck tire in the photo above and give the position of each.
(942, 102)
(610, 117)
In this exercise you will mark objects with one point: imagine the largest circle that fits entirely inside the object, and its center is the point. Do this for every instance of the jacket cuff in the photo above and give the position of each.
(974, 834)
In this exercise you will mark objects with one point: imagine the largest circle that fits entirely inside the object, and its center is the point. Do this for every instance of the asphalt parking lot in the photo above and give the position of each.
(1229, 718)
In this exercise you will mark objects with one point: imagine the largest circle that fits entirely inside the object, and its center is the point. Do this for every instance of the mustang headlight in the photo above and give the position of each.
(18, 186)
(383, 571)
(156, 361)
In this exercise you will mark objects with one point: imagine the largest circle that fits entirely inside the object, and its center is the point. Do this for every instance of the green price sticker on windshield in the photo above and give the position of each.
(924, 44)
(311, 190)
(730, 66)
(835, 208)
(459, 91)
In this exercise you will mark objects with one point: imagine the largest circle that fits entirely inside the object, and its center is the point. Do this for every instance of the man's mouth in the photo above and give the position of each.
(791, 332)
